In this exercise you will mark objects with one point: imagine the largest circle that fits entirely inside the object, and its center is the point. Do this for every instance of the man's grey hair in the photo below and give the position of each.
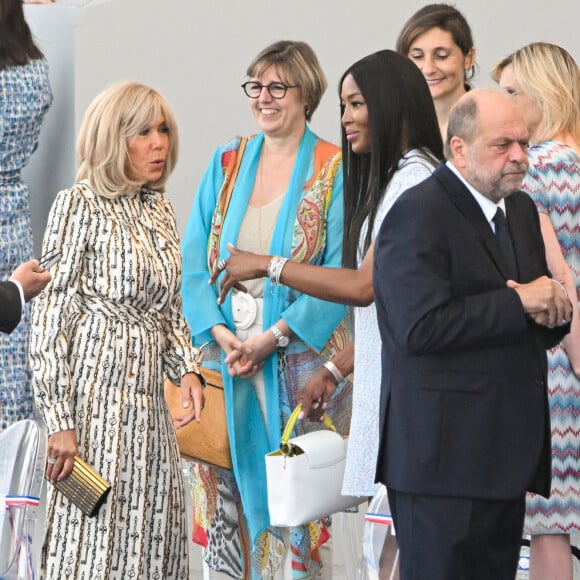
(462, 123)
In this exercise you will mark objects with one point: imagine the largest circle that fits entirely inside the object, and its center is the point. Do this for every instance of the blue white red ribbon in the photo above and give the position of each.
(21, 500)
(386, 519)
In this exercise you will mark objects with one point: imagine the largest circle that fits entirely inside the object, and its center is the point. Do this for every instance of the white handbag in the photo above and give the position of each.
(304, 477)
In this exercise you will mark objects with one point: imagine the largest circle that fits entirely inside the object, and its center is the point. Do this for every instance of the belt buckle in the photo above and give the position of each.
(244, 310)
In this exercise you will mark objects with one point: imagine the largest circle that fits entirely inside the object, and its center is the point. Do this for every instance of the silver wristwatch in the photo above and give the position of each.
(282, 341)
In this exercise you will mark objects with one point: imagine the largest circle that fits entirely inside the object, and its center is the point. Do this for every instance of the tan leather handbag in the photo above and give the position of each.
(206, 441)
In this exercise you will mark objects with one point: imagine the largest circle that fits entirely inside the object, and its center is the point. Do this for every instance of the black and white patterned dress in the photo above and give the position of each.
(105, 330)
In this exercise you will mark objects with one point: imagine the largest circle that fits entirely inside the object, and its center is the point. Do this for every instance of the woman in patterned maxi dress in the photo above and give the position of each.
(545, 83)
(105, 331)
(25, 97)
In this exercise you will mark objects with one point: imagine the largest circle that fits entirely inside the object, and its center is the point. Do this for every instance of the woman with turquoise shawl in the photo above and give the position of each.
(287, 201)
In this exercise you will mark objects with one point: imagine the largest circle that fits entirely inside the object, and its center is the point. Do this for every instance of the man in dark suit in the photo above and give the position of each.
(25, 283)
(465, 323)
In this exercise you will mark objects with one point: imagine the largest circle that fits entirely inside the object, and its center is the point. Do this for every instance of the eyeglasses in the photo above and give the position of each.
(277, 90)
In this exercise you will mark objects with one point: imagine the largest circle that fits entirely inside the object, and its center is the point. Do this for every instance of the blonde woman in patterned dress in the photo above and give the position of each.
(25, 97)
(105, 332)
(545, 84)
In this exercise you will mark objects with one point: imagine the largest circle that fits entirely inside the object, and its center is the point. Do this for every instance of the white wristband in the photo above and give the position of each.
(334, 371)
(275, 268)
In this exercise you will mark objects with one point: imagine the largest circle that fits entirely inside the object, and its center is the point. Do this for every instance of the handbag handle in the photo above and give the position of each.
(285, 446)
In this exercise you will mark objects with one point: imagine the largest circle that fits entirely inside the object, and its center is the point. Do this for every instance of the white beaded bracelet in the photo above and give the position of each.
(334, 371)
(275, 268)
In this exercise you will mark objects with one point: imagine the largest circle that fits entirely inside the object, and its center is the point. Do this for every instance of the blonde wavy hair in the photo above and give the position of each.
(116, 115)
(549, 75)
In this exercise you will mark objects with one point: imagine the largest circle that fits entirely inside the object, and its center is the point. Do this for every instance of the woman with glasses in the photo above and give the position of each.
(544, 82)
(286, 200)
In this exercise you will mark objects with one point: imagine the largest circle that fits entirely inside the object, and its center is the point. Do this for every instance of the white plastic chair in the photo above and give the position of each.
(380, 549)
(22, 464)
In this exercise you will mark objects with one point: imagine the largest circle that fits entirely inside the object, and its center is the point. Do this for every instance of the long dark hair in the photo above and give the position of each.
(16, 44)
(401, 116)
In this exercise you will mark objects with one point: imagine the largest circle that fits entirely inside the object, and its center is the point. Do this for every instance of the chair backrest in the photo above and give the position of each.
(380, 547)
(22, 464)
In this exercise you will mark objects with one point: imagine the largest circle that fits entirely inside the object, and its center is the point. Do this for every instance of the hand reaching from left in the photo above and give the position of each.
(33, 278)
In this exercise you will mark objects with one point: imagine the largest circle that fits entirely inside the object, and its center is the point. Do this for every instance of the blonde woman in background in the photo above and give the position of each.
(544, 82)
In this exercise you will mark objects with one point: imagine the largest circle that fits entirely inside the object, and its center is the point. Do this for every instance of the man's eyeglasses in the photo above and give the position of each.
(277, 90)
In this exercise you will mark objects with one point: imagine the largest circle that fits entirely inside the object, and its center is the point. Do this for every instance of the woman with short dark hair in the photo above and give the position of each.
(438, 39)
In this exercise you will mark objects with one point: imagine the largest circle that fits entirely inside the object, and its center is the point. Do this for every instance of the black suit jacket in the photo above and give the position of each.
(10, 306)
(464, 408)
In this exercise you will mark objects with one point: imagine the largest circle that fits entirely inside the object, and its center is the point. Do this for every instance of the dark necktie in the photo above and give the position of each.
(502, 235)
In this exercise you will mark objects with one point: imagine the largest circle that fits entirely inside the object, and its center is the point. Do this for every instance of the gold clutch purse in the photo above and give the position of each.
(84, 487)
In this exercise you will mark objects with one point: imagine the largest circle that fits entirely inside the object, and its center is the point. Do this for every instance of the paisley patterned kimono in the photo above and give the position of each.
(309, 229)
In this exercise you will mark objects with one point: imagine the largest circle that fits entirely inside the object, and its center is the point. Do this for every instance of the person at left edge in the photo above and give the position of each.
(27, 280)
(25, 99)
(287, 200)
(105, 332)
